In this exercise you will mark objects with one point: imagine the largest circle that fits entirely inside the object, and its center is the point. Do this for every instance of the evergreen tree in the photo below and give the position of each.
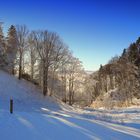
(133, 53)
(138, 42)
(12, 44)
(124, 53)
(138, 59)
(124, 56)
(2, 48)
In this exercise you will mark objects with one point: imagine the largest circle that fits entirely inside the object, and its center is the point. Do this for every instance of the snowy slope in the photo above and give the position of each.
(39, 118)
(26, 96)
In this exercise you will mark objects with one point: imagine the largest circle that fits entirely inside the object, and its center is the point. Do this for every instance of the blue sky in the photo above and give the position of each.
(95, 30)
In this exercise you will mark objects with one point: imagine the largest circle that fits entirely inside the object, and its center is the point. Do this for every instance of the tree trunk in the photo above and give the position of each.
(70, 92)
(52, 82)
(13, 69)
(20, 67)
(32, 71)
(65, 90)
(45, 80)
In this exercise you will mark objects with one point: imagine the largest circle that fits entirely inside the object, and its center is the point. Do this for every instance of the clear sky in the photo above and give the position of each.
(95, 30)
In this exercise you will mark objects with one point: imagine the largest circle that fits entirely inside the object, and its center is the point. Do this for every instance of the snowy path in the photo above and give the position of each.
(37, 117)
(61, 126)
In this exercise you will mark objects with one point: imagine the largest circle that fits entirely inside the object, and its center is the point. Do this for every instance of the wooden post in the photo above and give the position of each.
(11, 106)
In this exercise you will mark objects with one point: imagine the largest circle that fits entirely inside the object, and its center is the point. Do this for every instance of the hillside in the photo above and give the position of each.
(37, 117)
(26, 96)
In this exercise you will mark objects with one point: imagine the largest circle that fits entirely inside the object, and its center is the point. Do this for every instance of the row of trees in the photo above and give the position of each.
(120, 78)
(44, 59)
(41, 57)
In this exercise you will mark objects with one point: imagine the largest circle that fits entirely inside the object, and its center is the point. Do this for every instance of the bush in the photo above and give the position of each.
(26, 76)
(35, 82)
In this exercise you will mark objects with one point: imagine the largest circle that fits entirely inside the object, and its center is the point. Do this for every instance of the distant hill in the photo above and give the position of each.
(89, 72)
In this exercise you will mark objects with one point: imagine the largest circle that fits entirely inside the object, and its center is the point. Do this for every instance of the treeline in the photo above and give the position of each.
(42, 58)
(118, 82)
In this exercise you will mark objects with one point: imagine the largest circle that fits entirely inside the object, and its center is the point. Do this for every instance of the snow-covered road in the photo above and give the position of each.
(37, 117)
(62, 126)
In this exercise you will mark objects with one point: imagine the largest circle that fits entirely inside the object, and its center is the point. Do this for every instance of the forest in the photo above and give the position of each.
(44, 59)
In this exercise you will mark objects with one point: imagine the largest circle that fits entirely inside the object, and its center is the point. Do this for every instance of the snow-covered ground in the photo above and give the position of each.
(39, 118)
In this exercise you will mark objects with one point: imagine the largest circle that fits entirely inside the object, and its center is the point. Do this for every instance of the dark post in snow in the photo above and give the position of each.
(11, 106)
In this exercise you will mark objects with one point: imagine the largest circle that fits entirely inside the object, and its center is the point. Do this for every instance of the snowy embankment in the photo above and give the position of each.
(39, 118)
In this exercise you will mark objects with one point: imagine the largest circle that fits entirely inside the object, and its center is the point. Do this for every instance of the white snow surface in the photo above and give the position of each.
(39, 118)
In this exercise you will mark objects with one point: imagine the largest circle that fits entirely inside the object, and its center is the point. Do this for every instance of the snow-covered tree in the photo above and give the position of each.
(2, 48)
(47, 44)
(33, 54)
(74, 75)
(12, 47)
(22, 34)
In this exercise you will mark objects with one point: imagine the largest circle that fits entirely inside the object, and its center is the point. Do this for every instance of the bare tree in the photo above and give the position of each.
(22, 33)
(33, 55)
(61, 52)
(74, 71)
(46, 44)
